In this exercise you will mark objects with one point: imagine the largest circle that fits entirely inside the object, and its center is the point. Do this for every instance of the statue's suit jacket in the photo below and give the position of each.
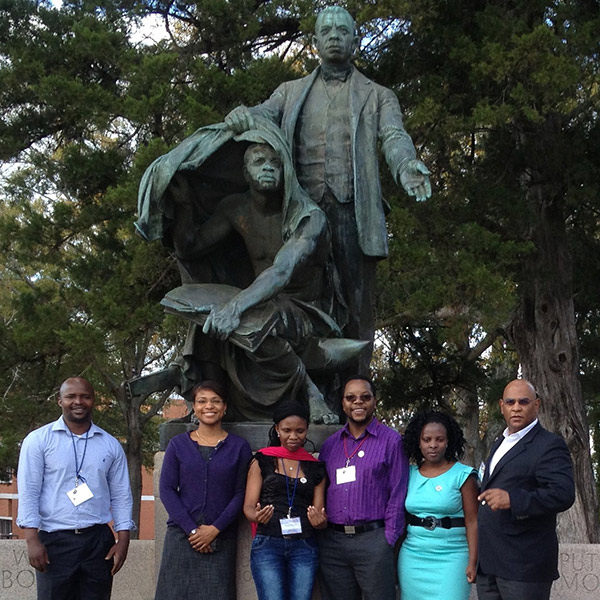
(374, 115)
(520, 543)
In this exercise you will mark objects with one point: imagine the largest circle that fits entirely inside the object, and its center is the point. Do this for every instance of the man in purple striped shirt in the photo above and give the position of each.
(368, 475)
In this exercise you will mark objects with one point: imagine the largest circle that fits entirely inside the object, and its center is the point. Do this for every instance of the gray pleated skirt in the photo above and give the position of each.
(189, 575)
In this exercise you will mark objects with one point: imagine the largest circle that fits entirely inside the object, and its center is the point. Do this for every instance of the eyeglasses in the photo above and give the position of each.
(363, 397)
(520, 401)
(204, 401)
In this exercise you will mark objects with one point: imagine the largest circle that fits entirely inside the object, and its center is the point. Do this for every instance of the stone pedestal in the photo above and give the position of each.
(135, 581)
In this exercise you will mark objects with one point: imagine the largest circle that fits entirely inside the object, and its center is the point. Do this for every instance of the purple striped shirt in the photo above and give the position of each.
(381, 478)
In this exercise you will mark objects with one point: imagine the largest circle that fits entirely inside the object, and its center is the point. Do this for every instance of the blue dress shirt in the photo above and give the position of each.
(47, 471)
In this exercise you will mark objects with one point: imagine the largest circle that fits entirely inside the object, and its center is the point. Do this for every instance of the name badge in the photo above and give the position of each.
(345, 474)
(481, 471)
(80, 494)
(289, 526)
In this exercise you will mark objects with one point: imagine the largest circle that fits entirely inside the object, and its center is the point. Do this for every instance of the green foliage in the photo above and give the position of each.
(490, 91)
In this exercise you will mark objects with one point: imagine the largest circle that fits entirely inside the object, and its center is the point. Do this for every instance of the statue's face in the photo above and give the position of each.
(263, 169)
(334, 38)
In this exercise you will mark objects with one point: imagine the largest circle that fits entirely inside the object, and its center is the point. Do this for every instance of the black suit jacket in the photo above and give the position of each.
(520, 543)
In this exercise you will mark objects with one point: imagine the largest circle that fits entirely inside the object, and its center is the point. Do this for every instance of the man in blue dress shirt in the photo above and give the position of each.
(72, 482)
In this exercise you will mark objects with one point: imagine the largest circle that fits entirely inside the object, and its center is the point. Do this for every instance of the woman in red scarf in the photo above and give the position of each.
(285, 497)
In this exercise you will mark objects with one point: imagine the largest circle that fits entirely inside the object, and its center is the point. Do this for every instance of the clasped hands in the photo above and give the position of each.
(202, 539)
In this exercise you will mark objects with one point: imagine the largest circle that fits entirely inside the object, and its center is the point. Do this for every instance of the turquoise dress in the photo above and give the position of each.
(432, 564)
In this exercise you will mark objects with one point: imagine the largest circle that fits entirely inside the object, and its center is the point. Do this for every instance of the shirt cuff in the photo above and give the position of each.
(124, 525)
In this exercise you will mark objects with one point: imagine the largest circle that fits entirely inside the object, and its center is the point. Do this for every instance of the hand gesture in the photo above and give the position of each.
(38, 555)
(263, 515)
(415, 180)
(118, 552)
(202, 539)
(240, 119)
(495, 498)
(471, 572)
(317, 518)
(222, 322)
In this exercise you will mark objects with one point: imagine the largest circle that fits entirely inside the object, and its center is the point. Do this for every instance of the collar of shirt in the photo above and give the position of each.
(331, 74)
(371, 429)
(60, 425)
(518, 435)
(509, 441)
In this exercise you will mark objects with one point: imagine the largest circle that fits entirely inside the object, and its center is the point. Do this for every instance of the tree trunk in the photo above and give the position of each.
(133, 452)
(134, 463)
(543, 332)
(466, 402)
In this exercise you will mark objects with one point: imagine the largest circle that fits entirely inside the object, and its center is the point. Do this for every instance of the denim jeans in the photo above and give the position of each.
(283, 568)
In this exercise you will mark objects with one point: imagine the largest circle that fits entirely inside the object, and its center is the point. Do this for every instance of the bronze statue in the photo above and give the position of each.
(279, 280)
(268, 335)
(334, 119)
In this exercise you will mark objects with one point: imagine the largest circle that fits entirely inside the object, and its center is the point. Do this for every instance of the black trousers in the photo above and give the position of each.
(490, 587)
(78, 569)
(356, 567)
(357, 277)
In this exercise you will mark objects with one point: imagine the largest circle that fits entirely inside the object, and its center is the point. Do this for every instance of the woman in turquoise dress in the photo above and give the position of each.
(438, 557)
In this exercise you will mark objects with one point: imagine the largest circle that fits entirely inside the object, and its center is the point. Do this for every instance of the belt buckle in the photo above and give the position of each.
(349, 529)
(430, 523)
(77, 531)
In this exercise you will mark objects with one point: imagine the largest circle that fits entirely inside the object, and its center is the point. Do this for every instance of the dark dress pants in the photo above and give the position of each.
(490, 587)
(78, 569)
(356, 567)
(357, 277)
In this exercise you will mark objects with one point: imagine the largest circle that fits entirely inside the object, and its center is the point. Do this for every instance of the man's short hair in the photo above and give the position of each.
(333, 10)
(254, 147)
(360, 378)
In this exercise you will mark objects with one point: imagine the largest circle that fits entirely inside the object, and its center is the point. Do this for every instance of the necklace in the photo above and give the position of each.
(207, 442)
(288, 466)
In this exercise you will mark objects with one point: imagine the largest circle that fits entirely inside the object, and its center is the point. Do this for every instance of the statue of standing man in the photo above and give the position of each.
(333, 119)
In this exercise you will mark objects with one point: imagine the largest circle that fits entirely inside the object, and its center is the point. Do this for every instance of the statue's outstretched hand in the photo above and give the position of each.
(415, 180)
(222, 322)
(240, 119)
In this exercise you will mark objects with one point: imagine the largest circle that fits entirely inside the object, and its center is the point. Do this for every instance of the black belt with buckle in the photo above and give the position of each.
(354, 529)
(82, 530)
(432, 523)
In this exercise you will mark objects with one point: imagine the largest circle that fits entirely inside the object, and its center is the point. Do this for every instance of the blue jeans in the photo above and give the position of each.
(283, 569)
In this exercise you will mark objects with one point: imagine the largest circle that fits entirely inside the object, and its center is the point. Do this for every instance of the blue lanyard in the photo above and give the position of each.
(287, 488)
(79, 465)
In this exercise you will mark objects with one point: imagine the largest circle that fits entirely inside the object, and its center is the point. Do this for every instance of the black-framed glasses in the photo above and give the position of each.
(520, 401)
(362, 397)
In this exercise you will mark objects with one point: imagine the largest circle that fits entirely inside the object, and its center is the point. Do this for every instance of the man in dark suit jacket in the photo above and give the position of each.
(528, 479)
(334, 119)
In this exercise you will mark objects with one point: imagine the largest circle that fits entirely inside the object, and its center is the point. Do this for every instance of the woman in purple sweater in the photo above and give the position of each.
(202, 485)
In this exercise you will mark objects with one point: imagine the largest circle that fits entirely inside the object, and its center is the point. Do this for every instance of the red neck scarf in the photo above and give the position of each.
(281, 452)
